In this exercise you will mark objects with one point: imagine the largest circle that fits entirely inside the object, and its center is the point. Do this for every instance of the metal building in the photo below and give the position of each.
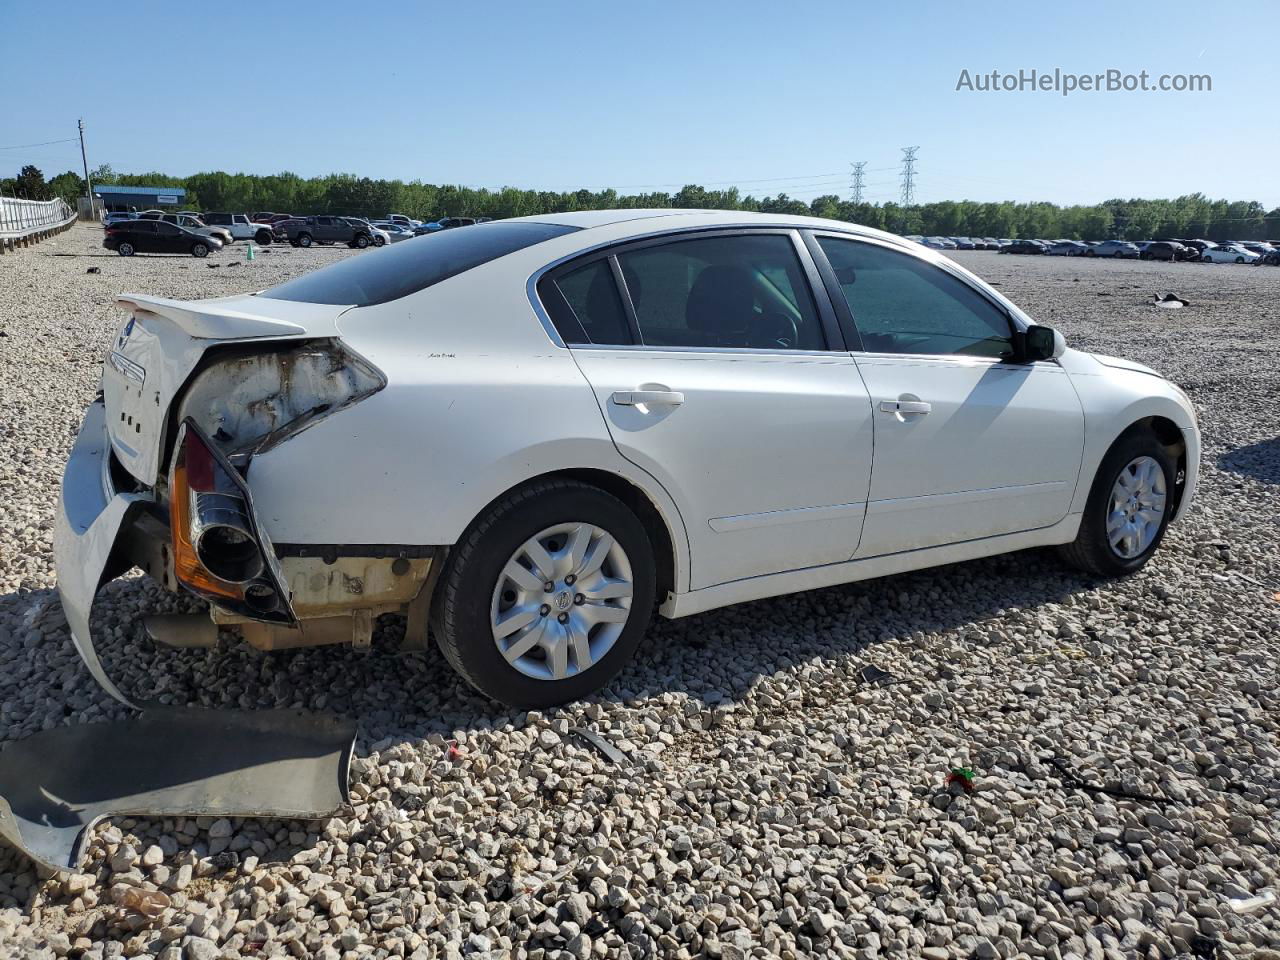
(123, 199)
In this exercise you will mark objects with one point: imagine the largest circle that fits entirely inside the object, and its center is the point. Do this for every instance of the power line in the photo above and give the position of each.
(859, 167)
(908, 175)
(695, 181)
(712, 183)
(43, 143)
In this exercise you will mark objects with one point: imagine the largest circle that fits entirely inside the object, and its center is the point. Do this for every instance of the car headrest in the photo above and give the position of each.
(721, 299)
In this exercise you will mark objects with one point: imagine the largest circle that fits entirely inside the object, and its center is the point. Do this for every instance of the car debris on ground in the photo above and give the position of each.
(169, 761)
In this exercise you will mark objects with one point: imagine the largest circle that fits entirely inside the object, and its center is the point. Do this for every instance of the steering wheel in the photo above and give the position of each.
(777, 329)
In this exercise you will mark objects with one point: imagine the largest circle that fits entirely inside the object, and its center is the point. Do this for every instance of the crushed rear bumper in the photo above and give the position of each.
(56, 784)
(87, 533)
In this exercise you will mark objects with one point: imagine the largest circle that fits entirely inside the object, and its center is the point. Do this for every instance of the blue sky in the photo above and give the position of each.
(769, 96)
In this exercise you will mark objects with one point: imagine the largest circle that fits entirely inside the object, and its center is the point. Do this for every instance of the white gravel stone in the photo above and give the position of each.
(772, 804)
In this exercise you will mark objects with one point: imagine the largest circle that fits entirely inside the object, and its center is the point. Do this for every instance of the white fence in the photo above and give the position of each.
(23, 222)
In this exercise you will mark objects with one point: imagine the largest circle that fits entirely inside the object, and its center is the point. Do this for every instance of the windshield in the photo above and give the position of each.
(397, 271)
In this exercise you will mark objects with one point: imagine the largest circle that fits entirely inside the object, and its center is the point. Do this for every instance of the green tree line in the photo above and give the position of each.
(1191, 216)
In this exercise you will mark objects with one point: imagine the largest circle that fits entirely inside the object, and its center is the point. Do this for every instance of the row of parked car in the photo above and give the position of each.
(962, 243)
(353, 231)
(186, 231)
(1204, 251)
(1201, 251)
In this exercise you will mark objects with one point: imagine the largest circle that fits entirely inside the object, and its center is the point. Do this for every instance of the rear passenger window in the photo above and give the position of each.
(593, 297)
(744, 291)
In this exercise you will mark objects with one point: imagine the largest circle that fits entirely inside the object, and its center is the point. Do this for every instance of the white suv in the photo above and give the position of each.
(241, 227)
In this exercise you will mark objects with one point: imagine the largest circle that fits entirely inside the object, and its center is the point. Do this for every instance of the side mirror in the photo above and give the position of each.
(1042, 343)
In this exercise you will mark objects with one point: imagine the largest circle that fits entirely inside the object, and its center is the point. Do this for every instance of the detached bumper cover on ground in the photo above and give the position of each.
(55, 785)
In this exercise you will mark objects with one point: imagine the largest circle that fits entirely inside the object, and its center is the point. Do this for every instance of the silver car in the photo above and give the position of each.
(1114, 248)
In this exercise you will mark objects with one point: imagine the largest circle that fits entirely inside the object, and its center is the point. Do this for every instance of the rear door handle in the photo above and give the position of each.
(905, 406)
(632, 398)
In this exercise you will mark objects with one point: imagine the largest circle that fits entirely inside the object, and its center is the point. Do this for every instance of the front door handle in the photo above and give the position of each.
(633, 398)
(905, 406)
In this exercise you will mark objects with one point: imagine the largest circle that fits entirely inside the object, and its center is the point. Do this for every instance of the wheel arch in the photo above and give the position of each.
(657, 514)
(1171, 436)
(1174, 441)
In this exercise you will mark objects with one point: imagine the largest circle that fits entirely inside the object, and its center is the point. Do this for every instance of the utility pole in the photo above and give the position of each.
(858, 168)
(908, 176)
(93, 213)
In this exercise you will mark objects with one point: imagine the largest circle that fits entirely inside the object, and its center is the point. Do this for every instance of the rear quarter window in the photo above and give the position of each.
(397, 271)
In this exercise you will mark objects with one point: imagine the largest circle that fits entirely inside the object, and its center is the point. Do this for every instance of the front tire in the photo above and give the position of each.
(1128, 509)
(525, 645)
(200, 250)
(263, 237)
(362, 241)
(304, 239)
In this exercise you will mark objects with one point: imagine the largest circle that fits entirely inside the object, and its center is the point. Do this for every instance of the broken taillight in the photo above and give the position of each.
(218, 550)
(251, 399)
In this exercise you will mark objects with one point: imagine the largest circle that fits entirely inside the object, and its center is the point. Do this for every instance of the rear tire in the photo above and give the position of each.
(125, 249)
(1093, 549)
(476, 583)
(304, 239)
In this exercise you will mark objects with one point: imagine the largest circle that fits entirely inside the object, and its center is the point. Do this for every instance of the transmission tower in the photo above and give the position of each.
(856, 185)
(908, 175)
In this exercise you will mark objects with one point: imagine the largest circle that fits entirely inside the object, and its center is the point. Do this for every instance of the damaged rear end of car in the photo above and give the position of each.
(191, 393)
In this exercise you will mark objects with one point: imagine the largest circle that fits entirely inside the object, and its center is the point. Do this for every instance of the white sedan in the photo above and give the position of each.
(1227, 253)
(394, 232)
(530, 433)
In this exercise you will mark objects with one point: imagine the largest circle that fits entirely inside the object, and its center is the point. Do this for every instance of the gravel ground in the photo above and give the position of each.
(771, 802)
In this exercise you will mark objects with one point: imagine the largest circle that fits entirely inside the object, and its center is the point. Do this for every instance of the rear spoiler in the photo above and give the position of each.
(208, 322)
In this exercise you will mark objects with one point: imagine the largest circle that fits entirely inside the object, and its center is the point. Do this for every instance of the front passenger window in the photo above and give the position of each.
(903, 304)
